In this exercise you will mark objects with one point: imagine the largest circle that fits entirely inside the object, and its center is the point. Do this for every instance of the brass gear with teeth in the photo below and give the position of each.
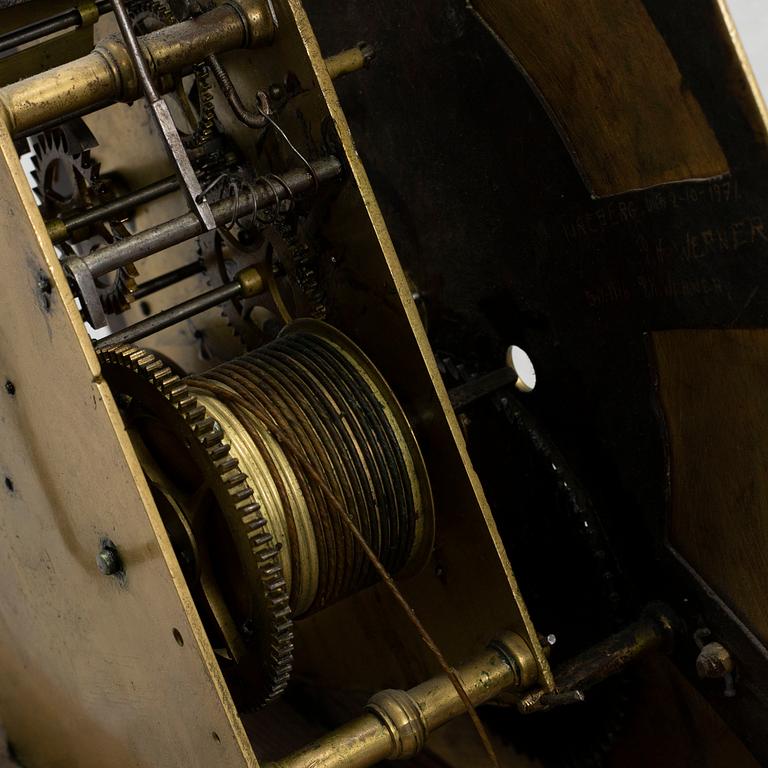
(297, 293)
(63, 170)
(220, 261)
(184, 451)
(68, 180)
(148, 15)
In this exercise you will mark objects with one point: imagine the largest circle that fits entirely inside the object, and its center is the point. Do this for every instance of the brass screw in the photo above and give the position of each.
(714, 661)
(108, 559)
(368, 51)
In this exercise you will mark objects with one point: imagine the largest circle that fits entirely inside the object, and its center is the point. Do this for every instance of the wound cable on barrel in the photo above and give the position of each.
(337, 408)
(349, 462)
(243, 406)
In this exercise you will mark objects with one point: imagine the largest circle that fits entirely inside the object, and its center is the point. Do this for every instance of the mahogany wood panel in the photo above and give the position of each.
(712, 386)
(612, 87)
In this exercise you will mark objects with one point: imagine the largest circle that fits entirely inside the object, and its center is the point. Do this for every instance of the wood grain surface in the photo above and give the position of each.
(712, 386)
(612, 87)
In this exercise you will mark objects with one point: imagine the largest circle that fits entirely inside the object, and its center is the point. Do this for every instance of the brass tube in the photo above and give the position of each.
(362, 742)
(351, 60)
(397, 723)
(483, 678)
(107, 74)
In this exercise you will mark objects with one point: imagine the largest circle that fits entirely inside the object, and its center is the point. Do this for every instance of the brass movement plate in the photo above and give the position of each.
(365, 642)
(92, 672)
(91, 668)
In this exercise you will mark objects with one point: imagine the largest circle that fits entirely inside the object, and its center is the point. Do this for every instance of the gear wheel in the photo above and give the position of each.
(149, 15)
(221, 262)
(116, 290)
(501, 433)
(191, 452)
(307, 278)
(294, 288)
(290, 251)
(63, 169)
(68, 180)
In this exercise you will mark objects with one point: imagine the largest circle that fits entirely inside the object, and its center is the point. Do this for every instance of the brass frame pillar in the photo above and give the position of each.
(397, 723)
(107, 75)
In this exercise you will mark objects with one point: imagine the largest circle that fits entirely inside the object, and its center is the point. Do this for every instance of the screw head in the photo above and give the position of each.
(276, 92)
(368, 51)
(714, 661)
(108, 560)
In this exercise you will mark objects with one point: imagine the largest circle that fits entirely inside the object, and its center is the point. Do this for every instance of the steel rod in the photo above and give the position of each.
(40, 29)
(134, 50)
(262, 194)
(476, 389)
(60, 229)
(168, 279)
(168, 130)
(170, 317)
(655, 630)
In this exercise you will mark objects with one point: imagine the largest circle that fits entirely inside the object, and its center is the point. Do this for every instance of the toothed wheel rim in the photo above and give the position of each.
(52, 153)
(164, 399)
(222, 261)
(210, 251)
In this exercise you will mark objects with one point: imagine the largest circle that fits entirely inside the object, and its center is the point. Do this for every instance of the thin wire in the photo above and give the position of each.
(296, 453)
(222, 177)
(255, 211)
(276, 193)
(233, 185)
(301, 157)
(291, 196)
